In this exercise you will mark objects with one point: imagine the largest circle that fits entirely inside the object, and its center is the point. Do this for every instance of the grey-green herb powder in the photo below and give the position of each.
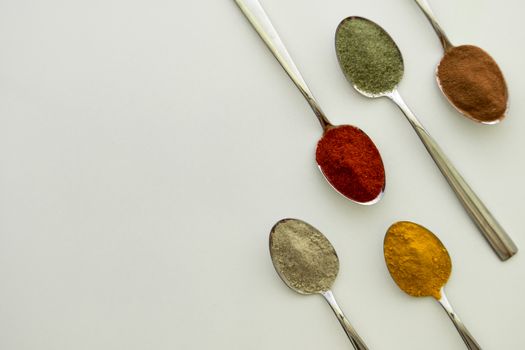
(303, 256)
(368, 56)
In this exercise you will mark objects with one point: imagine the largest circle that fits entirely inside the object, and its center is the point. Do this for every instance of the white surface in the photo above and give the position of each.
(147, 148)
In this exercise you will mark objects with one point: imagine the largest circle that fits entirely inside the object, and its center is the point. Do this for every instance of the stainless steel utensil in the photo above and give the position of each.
(487, 224)
(253, 10)
(448, 47)
(308, 264)
(433, 256)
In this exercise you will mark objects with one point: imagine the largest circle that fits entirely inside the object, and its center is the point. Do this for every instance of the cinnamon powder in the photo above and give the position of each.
(473, 82)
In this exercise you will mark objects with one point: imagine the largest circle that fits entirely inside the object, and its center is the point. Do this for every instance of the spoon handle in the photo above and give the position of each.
(487, 224)
(253, 10)
(425, 7)
(469, 340)
(355, 339)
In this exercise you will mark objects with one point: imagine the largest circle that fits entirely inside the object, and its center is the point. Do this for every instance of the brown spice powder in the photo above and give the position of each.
(474, 83)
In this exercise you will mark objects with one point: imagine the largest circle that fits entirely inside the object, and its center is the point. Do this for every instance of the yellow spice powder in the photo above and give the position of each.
(417, 260)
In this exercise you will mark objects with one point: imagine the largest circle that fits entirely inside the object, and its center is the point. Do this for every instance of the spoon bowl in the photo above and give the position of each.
(373, 70)
(307, 263)
(481, 98)
(346, 151)
(409, 263)
(303, 257)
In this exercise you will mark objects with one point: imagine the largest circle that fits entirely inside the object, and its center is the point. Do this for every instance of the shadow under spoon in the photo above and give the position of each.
(307, 263)
(373, 64)
(469, 77)
(366, 175)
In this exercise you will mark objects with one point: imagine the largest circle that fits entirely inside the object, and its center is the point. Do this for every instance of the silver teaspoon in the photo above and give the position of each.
(492, 94)
(361, 180)
(409, 249)
(307, 263)
(373, 75)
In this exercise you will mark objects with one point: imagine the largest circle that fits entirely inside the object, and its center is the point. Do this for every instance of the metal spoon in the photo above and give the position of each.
(487, 224)
(307, 263)
(253, 10)
(482, 56)
(394, 260)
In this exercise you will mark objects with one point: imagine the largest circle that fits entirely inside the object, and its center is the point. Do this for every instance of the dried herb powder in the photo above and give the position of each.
(474, 83)
(416, 259)
(368, 56)
(303, 256)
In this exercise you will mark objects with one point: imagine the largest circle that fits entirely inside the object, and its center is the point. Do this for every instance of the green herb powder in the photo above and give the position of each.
(303, 257)
(368, 56)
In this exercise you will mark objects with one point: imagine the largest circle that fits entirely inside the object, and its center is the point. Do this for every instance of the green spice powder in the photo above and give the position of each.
(368, 56)
(303, 256)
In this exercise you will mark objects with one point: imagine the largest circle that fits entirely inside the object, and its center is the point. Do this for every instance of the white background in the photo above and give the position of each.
(147, 148)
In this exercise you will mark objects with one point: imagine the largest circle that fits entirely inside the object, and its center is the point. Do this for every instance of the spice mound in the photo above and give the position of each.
(474, 83)
(416, 259)
(351, 163)
(303, 256)
(368, 56)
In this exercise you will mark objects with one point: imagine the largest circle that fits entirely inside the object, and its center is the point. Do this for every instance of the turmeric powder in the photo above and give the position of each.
(416, 259)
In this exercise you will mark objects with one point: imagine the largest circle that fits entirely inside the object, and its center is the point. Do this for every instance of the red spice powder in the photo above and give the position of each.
(351, 163)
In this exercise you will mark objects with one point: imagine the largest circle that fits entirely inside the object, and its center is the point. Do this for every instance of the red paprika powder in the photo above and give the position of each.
(351, 163)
